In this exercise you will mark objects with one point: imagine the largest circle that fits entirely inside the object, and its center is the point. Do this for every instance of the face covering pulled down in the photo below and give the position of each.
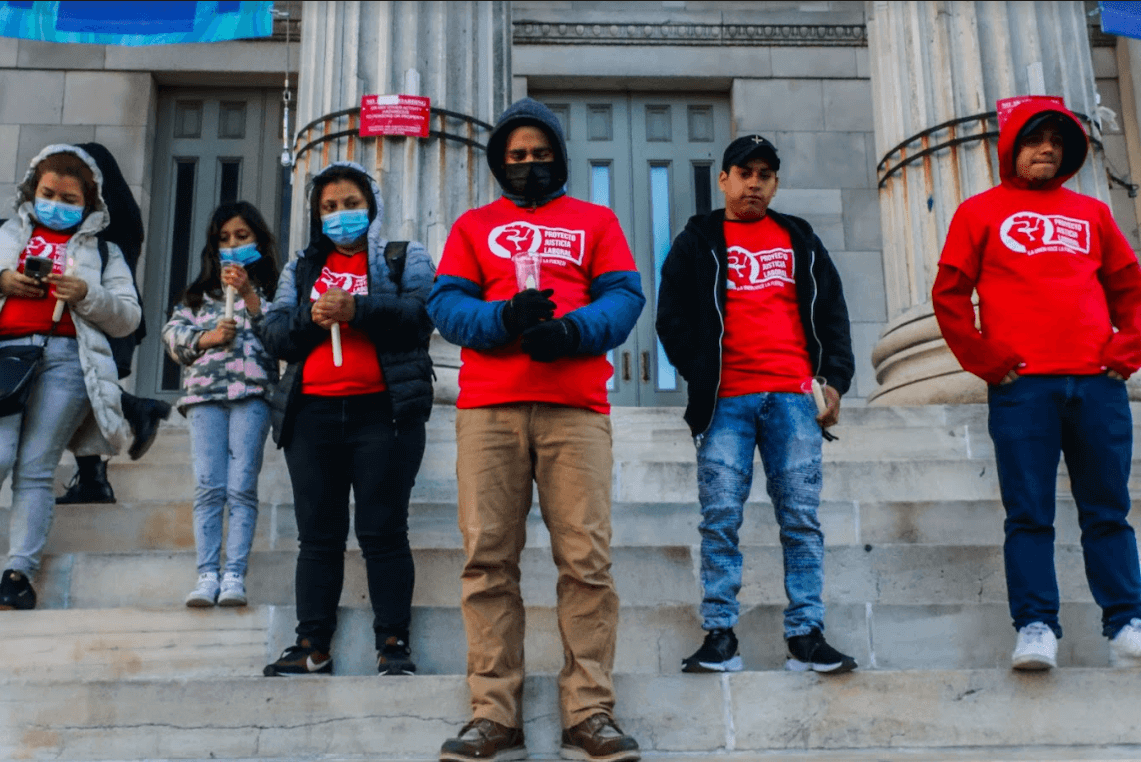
(346, 226)
(242, 255)
(57, 215)
(532, 180)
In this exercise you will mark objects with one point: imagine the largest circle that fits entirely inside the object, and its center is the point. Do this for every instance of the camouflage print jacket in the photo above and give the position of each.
(243, 369)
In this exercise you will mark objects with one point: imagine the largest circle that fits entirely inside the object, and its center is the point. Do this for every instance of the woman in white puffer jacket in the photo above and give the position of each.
(59, 211)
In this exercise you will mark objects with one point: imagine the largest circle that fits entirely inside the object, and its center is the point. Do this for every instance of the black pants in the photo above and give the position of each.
(337, 443)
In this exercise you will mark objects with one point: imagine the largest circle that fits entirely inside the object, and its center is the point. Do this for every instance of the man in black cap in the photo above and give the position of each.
(750, 312)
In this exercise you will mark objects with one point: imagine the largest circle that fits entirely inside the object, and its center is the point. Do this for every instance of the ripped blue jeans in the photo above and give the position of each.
(784, 427)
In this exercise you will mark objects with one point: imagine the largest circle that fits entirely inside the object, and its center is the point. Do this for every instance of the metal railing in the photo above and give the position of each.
(351, 122)
(924, 139)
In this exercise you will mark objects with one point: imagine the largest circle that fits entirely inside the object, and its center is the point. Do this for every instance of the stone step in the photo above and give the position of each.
(753, 713)
(127, 527)
(647, 478)
(981, 754)
(645, 576)
(134, 643)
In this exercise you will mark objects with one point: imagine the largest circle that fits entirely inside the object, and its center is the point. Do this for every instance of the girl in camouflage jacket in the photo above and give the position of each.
(226, 377)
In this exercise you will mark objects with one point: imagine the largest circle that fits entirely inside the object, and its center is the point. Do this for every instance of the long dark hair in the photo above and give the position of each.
(263, 273)
(318, 184)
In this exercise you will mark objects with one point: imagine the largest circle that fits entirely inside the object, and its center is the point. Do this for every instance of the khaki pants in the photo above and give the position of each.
(567, 452)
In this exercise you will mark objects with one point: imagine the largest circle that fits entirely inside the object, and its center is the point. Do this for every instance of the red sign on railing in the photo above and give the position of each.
(394, 115)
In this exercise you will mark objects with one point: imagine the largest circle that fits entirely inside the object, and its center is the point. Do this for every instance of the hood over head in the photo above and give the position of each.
(528, 112)
(25, 195)
(125, 219)
(317, 238)
(1025, 118)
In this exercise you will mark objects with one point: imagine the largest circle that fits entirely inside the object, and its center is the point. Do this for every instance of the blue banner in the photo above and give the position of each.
(1122, 19)
(135, 23)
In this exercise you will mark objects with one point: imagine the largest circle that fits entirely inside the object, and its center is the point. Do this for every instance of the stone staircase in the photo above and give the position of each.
(112, 666)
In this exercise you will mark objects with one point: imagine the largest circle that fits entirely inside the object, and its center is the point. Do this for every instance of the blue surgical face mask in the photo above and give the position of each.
(57, 215)
(243, 255)
(346, 226)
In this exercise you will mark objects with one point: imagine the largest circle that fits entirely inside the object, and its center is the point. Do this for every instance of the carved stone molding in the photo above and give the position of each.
(821, 35)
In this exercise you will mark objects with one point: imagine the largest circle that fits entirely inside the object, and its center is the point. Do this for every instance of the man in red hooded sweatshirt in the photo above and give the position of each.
(1055, 278)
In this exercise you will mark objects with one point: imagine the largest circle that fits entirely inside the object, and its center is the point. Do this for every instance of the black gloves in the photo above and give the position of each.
(551, 340)
(526, 309)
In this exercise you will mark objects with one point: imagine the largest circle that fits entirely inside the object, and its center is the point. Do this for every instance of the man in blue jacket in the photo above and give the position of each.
(750, 310)
(536, 287)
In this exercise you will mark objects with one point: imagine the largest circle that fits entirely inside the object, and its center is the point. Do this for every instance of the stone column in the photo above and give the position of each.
(934, 62)
(456, 53)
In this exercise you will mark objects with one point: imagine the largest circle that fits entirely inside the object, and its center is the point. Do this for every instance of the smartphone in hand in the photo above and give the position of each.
(38, 267)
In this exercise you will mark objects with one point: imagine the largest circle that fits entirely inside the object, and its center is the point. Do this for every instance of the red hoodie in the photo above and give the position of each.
(1054, 273)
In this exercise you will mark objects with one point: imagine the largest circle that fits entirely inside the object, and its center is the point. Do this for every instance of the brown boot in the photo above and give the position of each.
(485, 741)
(599, 739)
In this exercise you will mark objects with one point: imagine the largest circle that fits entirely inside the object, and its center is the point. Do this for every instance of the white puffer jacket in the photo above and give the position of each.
(109, 309)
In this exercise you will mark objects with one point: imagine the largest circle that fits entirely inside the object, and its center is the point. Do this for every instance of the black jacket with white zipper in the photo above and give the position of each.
(691, 309)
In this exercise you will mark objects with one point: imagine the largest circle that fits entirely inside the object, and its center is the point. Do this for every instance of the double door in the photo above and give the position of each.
(653, 159)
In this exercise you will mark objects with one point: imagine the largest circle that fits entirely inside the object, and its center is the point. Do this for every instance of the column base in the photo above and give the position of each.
(914, 366)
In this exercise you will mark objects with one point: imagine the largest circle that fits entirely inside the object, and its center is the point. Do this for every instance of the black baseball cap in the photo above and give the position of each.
(748, 147)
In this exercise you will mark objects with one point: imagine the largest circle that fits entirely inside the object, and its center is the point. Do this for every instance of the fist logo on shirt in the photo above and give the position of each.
(1026, 230)
(347, 282)
(757, 269)
(38, 247)
(514, 238)
(1032, 233)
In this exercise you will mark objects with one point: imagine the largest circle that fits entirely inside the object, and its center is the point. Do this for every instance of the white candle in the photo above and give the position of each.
(336, 331)
(818, 395)
(57, 314)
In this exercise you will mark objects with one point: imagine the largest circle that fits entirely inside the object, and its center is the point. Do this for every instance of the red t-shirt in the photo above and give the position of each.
(577, 242)
(21, 315)
(1037, 258)
(360, 373)
(763, 348)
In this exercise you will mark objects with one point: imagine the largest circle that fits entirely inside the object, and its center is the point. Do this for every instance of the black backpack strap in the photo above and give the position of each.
(394, 255)
(103, 253)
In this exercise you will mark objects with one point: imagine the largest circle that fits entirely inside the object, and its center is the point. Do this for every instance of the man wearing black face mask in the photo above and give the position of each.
(532, 408)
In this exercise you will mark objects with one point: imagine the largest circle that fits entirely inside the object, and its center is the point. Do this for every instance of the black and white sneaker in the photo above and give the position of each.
(301, 659)
(395, 658)
(16, 592)
(811, 653)
(717, 654)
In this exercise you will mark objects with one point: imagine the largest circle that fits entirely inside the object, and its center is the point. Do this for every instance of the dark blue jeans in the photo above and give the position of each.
(338, 443)
(1087, 420)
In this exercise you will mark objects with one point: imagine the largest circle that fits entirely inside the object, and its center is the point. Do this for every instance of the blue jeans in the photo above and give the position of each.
(32, 443)
(227, 440)
(784, 427)
(1086, 419)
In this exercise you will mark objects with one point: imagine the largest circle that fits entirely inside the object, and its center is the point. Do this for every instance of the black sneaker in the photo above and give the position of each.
(395, 658)
(811, 653)
(301, 659)
(16, 592)
(717, 654)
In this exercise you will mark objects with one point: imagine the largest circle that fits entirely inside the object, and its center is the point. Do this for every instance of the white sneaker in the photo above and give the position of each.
(233, 590)
(1037, 648)
(1125, 648)
(205, 592)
